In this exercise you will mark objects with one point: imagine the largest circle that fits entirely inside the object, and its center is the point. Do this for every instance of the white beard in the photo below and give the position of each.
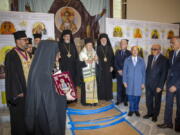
(67, 41)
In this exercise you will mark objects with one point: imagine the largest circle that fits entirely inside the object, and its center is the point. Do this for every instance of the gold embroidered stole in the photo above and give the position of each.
(25, 64)
(89, 76)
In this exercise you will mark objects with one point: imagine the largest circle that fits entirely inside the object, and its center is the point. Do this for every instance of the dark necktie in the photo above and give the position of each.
(153, 61)
(122, 53)
(174, 57)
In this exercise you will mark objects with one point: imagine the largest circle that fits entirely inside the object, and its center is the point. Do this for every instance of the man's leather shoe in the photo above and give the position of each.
(137, 114)
(154, 119)
(147, 116)
(125, 104)
(165, 125)
(177, 129)
(117, 103)
(130, 113)
(177, 125)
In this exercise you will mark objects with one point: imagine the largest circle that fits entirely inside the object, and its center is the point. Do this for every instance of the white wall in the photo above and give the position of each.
(117, 8)
(4, 5)
(167, 11)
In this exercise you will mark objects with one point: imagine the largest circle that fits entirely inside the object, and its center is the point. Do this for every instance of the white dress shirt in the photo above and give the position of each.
(134, 59)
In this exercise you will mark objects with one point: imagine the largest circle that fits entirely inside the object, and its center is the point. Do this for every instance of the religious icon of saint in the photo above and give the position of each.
(155, 34)
(68, 20)
(117, 32)
(138, 33)
(170, 34)
(64, 86)
(7, 28)
(39, 28)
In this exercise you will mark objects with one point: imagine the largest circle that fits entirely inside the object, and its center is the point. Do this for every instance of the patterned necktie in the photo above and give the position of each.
(153, 61)
(122, 53)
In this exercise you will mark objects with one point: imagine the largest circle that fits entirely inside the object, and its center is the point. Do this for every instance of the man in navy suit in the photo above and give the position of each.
(120, 57)
(156, 73)
(173, 87)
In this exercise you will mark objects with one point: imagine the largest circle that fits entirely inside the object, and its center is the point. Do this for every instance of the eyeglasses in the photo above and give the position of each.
(154, 49)
(25, 39)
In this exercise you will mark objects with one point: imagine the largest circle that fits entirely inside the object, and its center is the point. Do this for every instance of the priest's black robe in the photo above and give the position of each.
(34, 50)
(15, 84)
(81, 82)
(104, 74)
(69, 64)
(45, 110)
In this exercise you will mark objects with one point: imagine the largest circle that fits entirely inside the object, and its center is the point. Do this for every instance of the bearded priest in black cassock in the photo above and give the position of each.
(69, 56)
(106, 67)
(17, 64)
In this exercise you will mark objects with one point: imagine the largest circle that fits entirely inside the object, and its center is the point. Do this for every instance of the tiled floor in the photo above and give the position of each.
(4, 122)
(147, 127)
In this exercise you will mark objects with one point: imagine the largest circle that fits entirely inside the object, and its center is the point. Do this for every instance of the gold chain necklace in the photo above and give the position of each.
(105, 57)
(68, 51)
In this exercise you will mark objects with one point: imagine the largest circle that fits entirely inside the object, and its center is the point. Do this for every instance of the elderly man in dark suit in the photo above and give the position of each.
(120, 57)
(173, 87)
(156, 73)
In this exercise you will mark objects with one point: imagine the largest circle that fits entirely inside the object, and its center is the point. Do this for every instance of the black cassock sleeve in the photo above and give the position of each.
(112, 57)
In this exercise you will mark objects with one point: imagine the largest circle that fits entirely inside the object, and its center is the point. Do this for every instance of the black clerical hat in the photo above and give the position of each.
(19, 34)
(103, 35)
(29, 40)
(37, 36)
(88, 40)
(66, 32)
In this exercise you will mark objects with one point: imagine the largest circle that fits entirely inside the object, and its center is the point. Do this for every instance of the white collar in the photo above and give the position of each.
(134, 57)
(177, 51)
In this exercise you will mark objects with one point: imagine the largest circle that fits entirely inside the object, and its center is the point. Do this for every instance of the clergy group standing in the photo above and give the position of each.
(37, 108)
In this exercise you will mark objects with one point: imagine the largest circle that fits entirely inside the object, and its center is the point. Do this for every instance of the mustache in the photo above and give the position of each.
(26, 46)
